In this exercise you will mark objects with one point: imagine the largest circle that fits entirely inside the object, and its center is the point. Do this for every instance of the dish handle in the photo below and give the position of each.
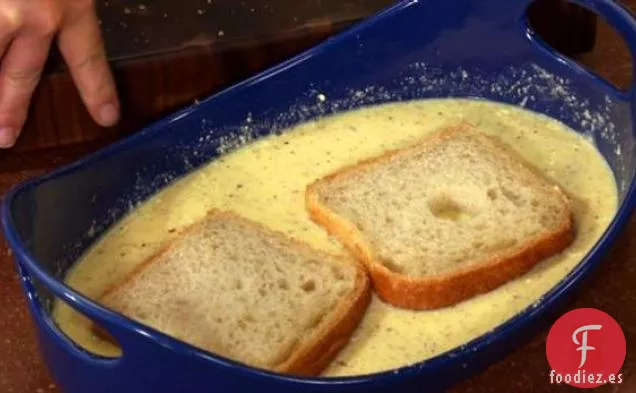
(134, 340)
(619, 18)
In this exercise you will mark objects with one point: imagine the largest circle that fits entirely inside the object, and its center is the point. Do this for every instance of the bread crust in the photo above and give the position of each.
(312, 358)
(445, 289)
(311, 355)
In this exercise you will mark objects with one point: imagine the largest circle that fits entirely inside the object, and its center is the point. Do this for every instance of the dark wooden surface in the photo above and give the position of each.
(167, 53)
(150, 87)
(168, 71)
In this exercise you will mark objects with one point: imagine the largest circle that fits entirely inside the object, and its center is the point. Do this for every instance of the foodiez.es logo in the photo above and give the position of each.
(586, 348)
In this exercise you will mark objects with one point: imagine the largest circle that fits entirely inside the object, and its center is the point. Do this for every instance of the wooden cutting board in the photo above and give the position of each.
(165, 54)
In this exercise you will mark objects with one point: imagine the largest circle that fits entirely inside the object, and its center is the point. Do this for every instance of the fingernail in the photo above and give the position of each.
(108, 114)
(7, 137)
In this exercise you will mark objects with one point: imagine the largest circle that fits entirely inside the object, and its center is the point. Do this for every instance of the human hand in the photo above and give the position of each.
(27, 29)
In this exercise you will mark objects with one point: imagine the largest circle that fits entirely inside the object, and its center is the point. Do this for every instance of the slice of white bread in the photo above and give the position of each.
(453, 216)
(245, 292)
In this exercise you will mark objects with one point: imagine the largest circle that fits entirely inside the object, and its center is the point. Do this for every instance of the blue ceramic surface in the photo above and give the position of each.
(434, 48)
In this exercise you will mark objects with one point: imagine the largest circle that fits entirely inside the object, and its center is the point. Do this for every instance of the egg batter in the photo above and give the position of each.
(266, 180)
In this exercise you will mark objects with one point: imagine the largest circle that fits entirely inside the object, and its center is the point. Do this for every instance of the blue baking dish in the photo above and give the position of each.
(415, 49)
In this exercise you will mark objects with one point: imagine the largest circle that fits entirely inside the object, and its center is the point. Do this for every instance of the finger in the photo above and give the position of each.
(19, 75)
(80, 42)
(9, 25)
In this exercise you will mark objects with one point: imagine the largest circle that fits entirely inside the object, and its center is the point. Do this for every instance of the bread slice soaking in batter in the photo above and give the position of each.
(453, 216)
(242, 291)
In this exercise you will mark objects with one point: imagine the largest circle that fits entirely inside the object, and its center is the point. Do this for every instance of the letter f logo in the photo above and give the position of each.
(583, 343)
